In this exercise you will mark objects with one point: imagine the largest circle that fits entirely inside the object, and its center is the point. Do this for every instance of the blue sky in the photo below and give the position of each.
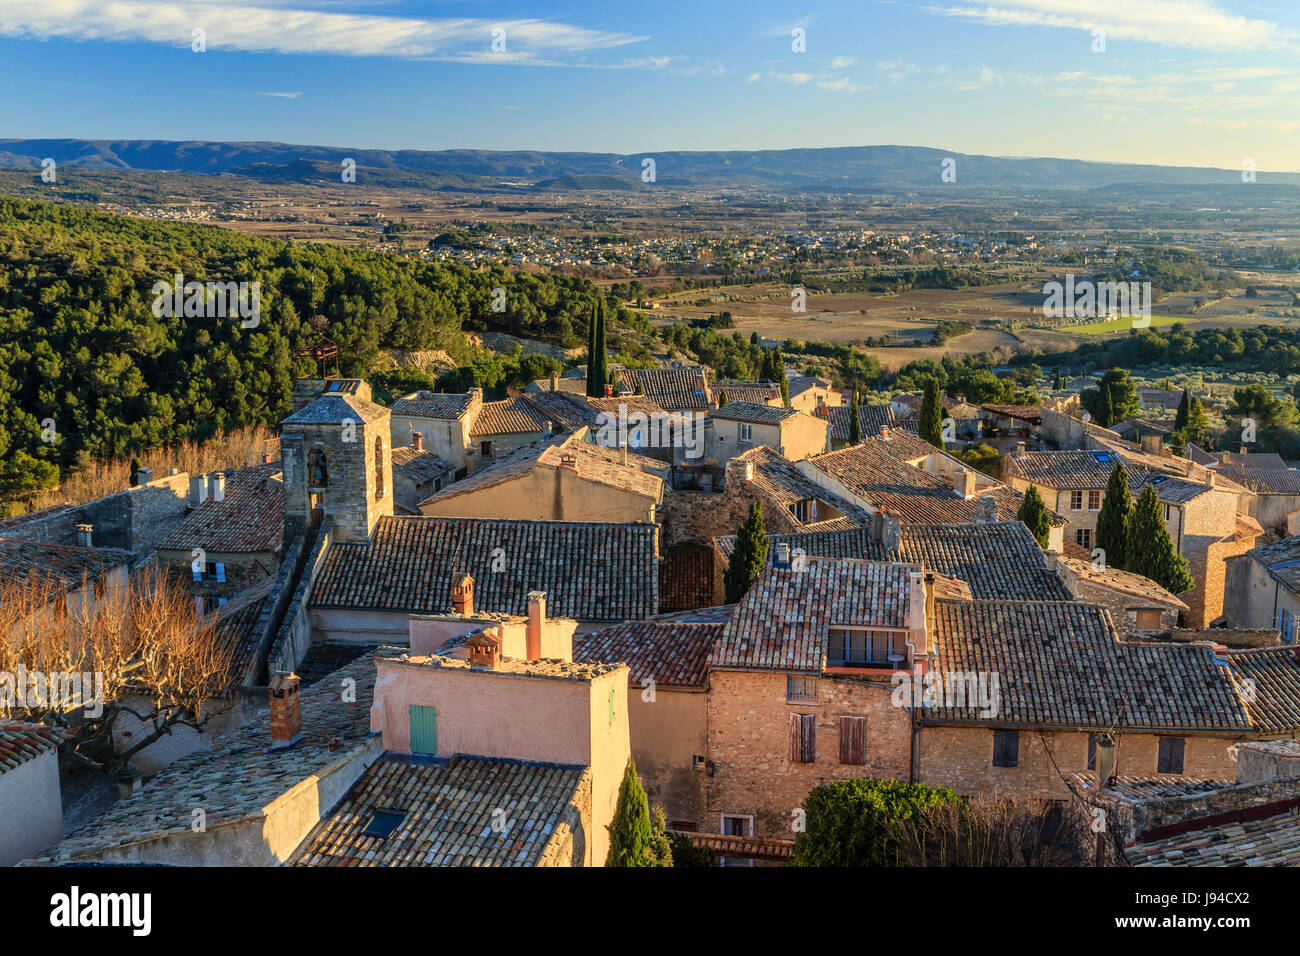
(1187, 82)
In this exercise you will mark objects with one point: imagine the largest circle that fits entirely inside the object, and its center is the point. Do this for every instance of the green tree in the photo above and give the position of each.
(597, 369)
(1196, 421)
(749, 555)
(855, 421)
(722, 397)
(633, 839)
(135, 472)
(1184, 411)
(848, 822)
(1149, 549)
(1112, 520)
(931, 426)
(1033, 513)
(1113, 400)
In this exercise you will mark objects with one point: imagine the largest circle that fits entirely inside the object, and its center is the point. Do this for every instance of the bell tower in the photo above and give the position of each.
(338, 462)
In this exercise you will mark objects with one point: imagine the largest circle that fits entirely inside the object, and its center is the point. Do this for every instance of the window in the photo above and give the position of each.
(854, 648)
(1171, 755)
(424, 729)
(684, 826)
(209, 571)
(1076, 501)
(741, 826)
(803, 738)
(800, 689)
(379, 469)
(1083, 537)
(485, 449)
(317, 476)
(1006, 748)
(805, 511)
(853, 740)
(1148, 620)
(1094, 501)
(211, 603)
(1286, 624)
(746, 433)
(383, 823)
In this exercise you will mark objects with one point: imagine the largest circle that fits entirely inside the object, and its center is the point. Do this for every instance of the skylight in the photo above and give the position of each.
(383, 823)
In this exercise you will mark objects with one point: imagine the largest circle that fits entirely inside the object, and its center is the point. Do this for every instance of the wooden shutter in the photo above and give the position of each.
(803, 738)
(424, 729)
(853, 740)
(1006, 748)
(1171, 755)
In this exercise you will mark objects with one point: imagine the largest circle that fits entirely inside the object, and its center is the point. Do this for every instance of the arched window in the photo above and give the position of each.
(317, 476)
(379, 468)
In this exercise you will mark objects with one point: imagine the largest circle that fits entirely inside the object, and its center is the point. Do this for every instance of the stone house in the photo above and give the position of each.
(417, 474)
(1262, 588)
(443, 422)
(738, 426)
(1276, 505)
(1137, 605)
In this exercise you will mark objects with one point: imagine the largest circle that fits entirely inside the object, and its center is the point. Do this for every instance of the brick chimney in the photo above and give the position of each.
(417, 441)
(609, 391)
(462, 596)
(484, 650)
(218, 485)
(569, 461)
(286, 711)
(555, 381)
(536, 621)
(86, 535)
(884, 432)
(198, 490)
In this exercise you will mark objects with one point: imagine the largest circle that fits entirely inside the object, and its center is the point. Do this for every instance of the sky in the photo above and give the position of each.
(1176, 82)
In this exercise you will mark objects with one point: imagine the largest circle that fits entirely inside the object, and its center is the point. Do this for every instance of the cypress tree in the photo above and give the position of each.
(1112, 520)
(1149, 548)
(931, 427)
(597, 371)
(591, 350)
(135, 472)
(1106, 415)
(1184, 411)
(855, 422)
(1034, 515)
(633, 841)
(750, 555)
(722, 397)
(1196, 423)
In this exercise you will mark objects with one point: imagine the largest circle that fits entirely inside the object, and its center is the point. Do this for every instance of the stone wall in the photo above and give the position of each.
(748, 733)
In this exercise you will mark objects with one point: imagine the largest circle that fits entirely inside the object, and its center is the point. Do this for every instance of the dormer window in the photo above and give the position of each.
(317, 476)
(856, 647)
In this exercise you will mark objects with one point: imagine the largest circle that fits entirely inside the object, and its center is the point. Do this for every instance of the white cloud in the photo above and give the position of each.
(265, 28)
(797, 79)
(840, 62)
(1181, 23)
(287, 96)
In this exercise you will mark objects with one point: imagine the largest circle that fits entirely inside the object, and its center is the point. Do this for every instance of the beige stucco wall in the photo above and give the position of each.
(547, 494)
(516, 716)
(796, 438)
(667, 732)
(31, 812)
(449, 440)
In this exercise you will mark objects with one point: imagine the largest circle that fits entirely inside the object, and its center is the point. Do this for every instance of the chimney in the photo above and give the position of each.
(884, 432)
(986, 509)
(1020, 449)
(218, 485)
(963, 482)
(623, 452)
(1152, 444)
(485, 650)
(782, 559)
(128, 780)
(749, 471)
(462, 596)
(536, 621)
(1210, 478)
(85, 535)
(885, 529)
(417, 441)
(1049, 559)
(569, 461)
(555, 381)
(143, 475)
(266, 457)
(286, 712)
(609, 391)
(198, 490)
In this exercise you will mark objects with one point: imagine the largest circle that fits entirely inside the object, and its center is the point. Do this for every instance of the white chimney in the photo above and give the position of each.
(85, 535)
(198, 490)
(218, 485)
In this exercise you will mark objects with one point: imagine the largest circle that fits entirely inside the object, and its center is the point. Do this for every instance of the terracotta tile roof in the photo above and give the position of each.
(561, 411)
(237, 627)
(759, 393)
(1090, 470)
(1139, 789)
(65, 566)
(783, 623)
(670, 653)
(509, 417)
(871, 417)
(419, 466)
(735, 411)
(1072, 549)
(686, 578)
(335, 408)
(1134, 585)
(641, 475)
(673, 389)
(627, 404)
(1033, 414)
(777, 478)
(1270, 678)
(756, 848)
(450, 812)
(249, 520)
(879, 471)
(801, 383)
(435, 405)
(565, 383)
(997, 560)
(1060, 664)
(235, 778)
(591, 570)
(544, 668)
(9, 524)
(1264, 481)
(1281, 560)
(1272, 841)
(21, 741)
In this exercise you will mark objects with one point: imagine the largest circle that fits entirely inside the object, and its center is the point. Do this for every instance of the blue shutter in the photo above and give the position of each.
(424, 729)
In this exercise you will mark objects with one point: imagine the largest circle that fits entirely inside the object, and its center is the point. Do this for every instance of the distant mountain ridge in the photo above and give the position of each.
(836, 168)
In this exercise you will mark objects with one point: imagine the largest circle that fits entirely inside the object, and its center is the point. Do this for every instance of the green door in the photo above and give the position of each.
(424, 729)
